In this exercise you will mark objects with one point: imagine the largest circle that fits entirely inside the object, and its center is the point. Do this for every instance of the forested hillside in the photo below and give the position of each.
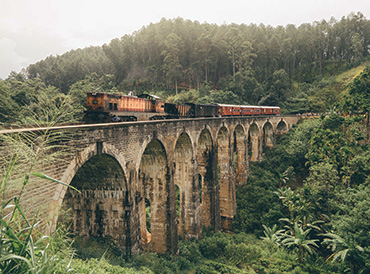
(294, 67)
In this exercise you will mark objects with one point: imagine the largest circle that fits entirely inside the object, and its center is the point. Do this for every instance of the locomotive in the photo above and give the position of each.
(104, 107)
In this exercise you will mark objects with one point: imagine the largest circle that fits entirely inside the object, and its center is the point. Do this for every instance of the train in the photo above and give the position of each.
(105, 107)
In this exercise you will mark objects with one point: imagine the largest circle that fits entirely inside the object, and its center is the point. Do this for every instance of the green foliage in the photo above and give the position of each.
(359, 90)
(64, 70)
(217, 96)
(211, 267)
(32, 102)
(319, 173)
(256, 201)
(297, 237)
(190, 251)
(212, 247)
(346, 250)
(23, 248)
(102, 267)
(272, 235)
(333, 121)
(184, 97)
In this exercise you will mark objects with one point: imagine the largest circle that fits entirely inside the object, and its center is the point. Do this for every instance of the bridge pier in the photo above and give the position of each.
(254, 140)
(240, 155)
(157, 200)
(187, 193)
(206, 161)
(268, 135)
(226, 179)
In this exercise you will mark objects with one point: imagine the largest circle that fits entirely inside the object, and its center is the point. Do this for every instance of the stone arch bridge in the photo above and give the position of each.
(143, 184)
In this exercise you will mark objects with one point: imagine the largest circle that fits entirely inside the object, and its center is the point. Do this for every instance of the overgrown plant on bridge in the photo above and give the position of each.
(24, 248)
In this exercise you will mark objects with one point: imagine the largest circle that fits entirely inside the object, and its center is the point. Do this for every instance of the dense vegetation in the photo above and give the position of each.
(293, 67)
(305, 207)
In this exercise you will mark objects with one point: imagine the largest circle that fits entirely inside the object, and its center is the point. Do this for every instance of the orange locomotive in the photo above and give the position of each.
(103, 107)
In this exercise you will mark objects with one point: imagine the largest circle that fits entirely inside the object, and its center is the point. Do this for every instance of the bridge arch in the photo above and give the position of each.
(207, 179)
(253, 142)
(99, 209)
(268, 134)
(282, 127)
(154, 183)
(226, 179)
(76, 163)
(150, 138)
(188, 187)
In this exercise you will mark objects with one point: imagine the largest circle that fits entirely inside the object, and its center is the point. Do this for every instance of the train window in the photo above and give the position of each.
(94, 102)
(110, 106)
(115, 106)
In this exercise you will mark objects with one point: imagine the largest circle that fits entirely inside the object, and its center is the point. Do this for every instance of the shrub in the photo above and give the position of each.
(213, 247)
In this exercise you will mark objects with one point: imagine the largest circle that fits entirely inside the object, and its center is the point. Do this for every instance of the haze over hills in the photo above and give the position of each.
(31, 31)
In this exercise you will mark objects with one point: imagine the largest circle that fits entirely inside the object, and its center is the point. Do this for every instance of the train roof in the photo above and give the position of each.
(247, 106)
(270, 107)
(244, 106)
(149, 96)
(198, 104)
(228, 105)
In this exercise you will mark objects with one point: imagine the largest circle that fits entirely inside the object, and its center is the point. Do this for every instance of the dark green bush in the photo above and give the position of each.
(214, 246)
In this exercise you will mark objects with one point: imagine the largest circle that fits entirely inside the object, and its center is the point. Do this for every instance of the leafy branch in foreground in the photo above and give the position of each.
(20, 253)
(346, 250)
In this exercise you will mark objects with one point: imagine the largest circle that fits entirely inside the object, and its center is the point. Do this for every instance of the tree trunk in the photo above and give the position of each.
(368, 126)
(176, 85)
(206, 71)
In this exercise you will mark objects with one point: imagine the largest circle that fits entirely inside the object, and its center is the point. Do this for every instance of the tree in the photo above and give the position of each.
(171, 61)
(203, 47)
(120, 52)
(8, 107)
(346, 250)
(298, 238)
(359, 93)
(272, 235)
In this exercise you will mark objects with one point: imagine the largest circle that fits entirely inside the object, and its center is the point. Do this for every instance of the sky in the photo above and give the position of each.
(31, 30)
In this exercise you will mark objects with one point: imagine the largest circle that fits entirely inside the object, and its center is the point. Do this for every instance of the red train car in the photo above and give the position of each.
(266, 111)
(245, 110)
(251, 110)
(238, 110)
(270, 110)
(229, 110)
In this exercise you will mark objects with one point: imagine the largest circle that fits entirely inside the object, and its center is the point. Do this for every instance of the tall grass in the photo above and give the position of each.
(23, 246)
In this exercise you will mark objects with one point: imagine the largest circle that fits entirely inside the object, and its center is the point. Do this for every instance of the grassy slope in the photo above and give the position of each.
(343, 80)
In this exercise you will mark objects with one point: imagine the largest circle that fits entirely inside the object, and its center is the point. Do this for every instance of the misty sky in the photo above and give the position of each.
(31, 30)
